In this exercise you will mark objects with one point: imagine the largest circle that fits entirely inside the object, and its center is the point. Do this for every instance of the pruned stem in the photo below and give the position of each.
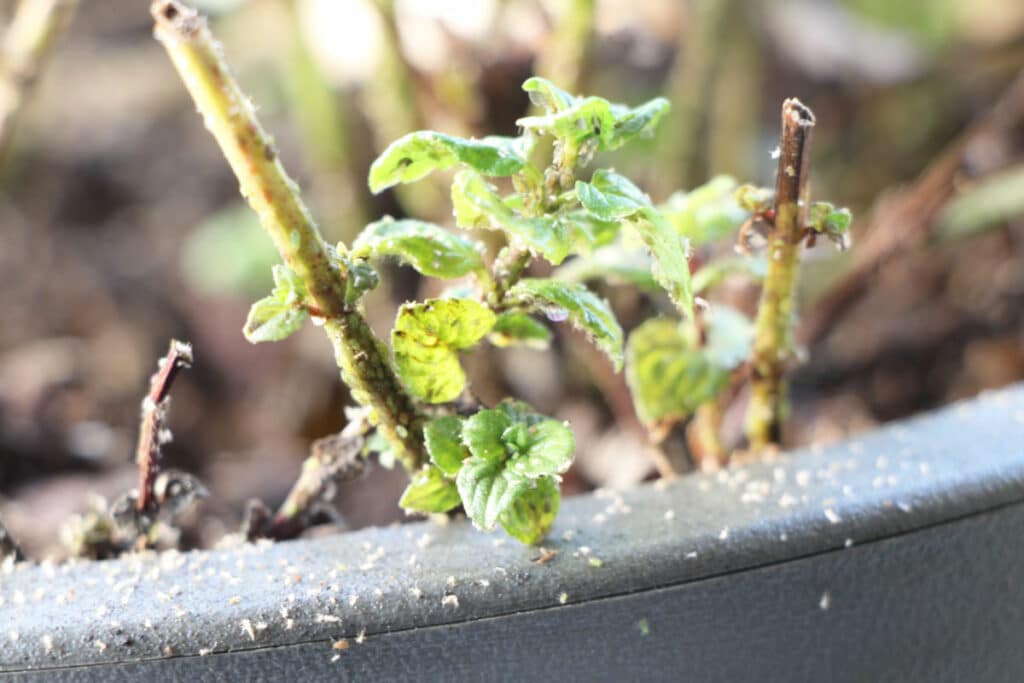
(152, 430)
(773, 341)
(229, 116)
(35, 29)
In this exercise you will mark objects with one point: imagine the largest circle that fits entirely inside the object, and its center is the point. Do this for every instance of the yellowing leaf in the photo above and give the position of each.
(531, 515)
(426, 340)
(430, 491)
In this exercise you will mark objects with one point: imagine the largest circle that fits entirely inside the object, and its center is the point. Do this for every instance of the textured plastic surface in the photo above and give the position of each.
(896, 556)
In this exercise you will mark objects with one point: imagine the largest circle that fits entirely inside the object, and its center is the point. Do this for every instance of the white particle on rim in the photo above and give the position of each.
(825, 602)
(831, 516)
(247, 629)
(450, 601)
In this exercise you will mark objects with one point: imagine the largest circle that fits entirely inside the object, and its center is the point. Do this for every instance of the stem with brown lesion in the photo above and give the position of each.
(35, 29)
(152, 427)
(773, 341)
(229, 116)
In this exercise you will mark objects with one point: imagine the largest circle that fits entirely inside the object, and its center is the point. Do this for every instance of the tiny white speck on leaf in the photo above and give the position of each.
(826, 601)
(450, 601)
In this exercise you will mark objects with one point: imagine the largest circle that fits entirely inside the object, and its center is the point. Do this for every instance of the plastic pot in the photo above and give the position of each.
(896, 556)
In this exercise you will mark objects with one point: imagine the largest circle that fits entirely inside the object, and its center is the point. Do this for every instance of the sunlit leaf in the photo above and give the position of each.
(546, 95)
(477, 204)
(611, 197)
(711, 274)
(512, 448)
(614, 264)
(430, 491)
(487, 489)
(706, 213)
(531, 515)
(518, 328)
(427, 247)
(426, 340)
(826, 219)
(279, 315)
(443, 437)
(669, 378)
(415, 155)
(578, 120)
(574, 302)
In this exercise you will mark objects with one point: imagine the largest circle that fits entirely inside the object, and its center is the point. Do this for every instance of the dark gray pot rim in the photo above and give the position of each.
(904, 491)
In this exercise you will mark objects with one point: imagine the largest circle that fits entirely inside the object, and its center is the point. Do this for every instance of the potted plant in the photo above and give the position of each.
(809, 545)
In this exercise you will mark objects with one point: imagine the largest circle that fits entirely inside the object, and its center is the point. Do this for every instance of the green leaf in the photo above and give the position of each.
(279, 315)
(477, 204)
(587, 232)
(443, 437)
(755, 199)
(834, 223)
(430, 491)
(426, 339)
(669, 378)
(531, 515)
(482, 434)
(578, 120)
(710, 275)
(415, 155)
(487, 489)
(361, 279)
(378, 443)
(569, 300)
(427, 247)
(614, 264)
(541, 449)
(546, 95)
(611, 197)
(511, 447)
(706, 213)
(671, 266)
(518, 328)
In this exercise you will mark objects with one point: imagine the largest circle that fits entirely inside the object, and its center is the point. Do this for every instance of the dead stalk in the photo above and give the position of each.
(773, 342)
(152, 429)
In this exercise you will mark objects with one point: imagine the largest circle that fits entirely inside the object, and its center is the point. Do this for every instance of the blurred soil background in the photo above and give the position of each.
(121, 225)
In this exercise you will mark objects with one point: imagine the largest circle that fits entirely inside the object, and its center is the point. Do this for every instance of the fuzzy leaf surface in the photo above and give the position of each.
(416, 155)
(430, 491)
(443, 437)
(427, 247)
(577, 120)
(669, 378)
(520, 329)
(281, 314)
(573, 301)
(707, 213)
(426, 340)
(477, 205)
(531, 515)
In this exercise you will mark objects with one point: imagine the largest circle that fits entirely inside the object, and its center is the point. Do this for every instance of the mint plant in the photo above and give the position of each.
(682, 367)
(501, 464)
